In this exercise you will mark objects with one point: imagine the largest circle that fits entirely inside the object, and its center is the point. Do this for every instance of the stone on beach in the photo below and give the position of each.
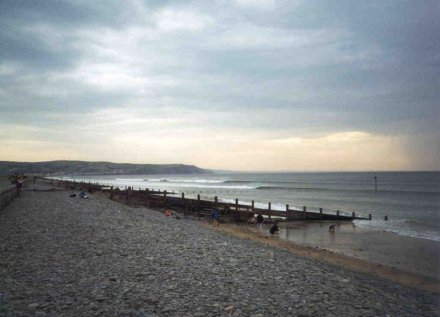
(76, 257)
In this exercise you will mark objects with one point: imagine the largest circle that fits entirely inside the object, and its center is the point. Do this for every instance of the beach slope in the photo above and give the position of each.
(77, 257)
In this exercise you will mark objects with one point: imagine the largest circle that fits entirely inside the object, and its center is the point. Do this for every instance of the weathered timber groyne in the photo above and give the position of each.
(10, 192)
(196, 206)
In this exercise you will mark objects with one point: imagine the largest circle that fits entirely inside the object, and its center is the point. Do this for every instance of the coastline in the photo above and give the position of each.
(426, 277)
(75, 257)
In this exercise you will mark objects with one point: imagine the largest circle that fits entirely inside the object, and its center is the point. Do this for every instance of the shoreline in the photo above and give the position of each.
(392, 273)
(74, 257)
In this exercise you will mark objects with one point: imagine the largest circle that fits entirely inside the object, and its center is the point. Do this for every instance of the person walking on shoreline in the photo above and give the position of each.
(260, 221)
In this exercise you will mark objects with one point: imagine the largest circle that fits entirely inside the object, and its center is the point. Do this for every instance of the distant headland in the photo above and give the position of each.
(93, 168)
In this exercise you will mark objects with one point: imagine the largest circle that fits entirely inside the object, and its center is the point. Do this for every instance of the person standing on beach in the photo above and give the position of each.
(214, 217)
(260, 221)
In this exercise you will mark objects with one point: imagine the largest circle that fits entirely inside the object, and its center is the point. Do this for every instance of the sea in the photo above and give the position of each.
(410, 200)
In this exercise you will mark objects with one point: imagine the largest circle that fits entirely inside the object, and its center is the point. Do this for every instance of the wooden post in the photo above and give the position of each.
(369, 217)
(165, 198)
(111, 192)
(305, 211)
(320, 213)
(337, 212)
(183, 195)
(253, 205)
(216, 199)
(147, 194)
(236, 203)
(385, 218)
(269, 205)
(353, 215)
(198, 202)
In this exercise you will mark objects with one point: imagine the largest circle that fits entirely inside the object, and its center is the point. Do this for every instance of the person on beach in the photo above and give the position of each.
(18, 186)
(168, 213)
(260, 221)
(274, 229)
(214, 217)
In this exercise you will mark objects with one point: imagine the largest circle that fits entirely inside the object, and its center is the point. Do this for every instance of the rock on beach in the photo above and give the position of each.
(62, 256)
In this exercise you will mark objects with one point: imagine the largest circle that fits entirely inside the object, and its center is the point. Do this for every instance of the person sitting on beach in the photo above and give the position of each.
(168, 213)
(260, 221)
(83, 194)
(331, 228)
(274, 229)
(214, 217)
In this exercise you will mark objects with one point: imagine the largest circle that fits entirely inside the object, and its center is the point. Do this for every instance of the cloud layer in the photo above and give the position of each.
(255, 85)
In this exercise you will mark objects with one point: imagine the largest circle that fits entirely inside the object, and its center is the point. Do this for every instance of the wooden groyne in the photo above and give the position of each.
(199, 207)
(10, 192)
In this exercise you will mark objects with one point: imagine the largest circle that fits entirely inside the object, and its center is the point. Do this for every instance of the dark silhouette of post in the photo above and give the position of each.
(375, 183)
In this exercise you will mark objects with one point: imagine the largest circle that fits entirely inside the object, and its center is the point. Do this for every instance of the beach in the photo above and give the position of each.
(418, 256)
(95, 257)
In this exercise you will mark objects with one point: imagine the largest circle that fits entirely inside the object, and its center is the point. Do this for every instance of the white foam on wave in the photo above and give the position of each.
(186, 181)
(205, 186)
(399, 226)
(260, 205)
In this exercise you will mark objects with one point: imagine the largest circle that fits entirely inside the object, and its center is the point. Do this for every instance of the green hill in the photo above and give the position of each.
(84, 167)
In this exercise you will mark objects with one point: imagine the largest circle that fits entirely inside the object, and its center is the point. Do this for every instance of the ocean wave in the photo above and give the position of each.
(238, 182)
(186, 181)
(404, 227)
(260, 205)
(288, 188)
(265, 187)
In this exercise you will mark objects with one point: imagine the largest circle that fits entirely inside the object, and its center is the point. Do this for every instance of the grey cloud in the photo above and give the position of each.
(370, 66)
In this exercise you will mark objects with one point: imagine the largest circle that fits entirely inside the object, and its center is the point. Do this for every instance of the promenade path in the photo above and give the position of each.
(62, 256)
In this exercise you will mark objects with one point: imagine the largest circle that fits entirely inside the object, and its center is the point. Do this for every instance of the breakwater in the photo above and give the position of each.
(196, 206)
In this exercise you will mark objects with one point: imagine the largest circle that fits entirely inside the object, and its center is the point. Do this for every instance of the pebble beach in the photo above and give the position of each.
(62, 256)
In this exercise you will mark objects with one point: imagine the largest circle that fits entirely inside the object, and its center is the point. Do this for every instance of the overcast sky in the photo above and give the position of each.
(241, 85)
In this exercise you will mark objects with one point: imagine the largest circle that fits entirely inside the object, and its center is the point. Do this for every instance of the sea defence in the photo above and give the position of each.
(196, 206)
(9, 192)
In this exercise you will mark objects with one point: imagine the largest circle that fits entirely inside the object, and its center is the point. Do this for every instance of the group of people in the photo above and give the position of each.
(274, 229)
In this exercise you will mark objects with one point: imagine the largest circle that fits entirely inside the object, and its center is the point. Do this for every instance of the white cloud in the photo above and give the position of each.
(172, 19)
(251, 36)
(261, 4)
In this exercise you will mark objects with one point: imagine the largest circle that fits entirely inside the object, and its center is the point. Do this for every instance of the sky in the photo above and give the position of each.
(233, 84)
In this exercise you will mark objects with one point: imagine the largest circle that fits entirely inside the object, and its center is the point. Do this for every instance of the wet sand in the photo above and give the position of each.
(415, 255)
(409, 261)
